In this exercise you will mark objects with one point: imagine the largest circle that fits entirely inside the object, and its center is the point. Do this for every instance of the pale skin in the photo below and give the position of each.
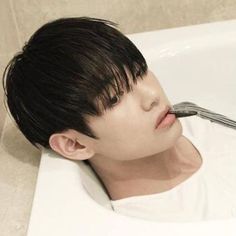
(131, 157)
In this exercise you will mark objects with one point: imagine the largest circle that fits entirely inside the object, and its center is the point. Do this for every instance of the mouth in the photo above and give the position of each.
(162, 116)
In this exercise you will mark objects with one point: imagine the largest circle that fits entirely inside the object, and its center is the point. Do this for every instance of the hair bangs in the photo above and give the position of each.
(119, 78)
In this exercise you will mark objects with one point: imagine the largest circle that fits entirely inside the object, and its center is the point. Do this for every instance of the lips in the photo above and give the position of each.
(162, 116)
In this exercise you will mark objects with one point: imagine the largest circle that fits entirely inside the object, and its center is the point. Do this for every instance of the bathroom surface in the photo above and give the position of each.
(19, 160)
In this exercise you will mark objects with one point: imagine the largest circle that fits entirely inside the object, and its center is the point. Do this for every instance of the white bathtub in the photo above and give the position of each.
(196, 63)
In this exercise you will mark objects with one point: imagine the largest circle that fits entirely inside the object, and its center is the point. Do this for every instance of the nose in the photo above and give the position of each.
(149, 96)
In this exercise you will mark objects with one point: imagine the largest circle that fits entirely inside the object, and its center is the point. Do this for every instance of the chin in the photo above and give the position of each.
(170, 138)
(179, 129)
(176, 131)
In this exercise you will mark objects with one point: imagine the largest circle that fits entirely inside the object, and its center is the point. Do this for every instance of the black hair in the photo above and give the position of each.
(65, 72)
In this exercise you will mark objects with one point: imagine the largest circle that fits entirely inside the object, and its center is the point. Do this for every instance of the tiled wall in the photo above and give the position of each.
(9, 43)
(19, 161)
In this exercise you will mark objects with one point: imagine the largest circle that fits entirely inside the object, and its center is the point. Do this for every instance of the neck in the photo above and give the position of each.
(161, 167)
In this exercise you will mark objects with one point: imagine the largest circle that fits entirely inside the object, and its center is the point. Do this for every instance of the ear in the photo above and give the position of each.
(68, 145)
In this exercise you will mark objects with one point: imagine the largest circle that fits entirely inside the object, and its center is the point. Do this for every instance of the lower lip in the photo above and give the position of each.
(167, 121)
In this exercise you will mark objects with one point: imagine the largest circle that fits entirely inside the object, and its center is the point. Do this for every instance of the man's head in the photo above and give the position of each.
(82, 88)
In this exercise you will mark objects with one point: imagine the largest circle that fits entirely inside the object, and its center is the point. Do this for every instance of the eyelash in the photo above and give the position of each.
(111, 104)
(118, 100)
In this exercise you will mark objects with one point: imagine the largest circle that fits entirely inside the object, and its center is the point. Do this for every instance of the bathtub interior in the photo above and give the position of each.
(92, 185)
(194, 63)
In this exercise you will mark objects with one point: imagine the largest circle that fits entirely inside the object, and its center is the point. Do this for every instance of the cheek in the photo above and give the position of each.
(125, 141)
(128, 144)
(118, 133)
(127, 124)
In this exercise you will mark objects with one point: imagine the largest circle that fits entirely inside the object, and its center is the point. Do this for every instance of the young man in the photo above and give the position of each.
(83, 89)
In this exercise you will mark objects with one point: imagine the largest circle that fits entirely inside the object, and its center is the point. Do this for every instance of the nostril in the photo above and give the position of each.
(155, 102)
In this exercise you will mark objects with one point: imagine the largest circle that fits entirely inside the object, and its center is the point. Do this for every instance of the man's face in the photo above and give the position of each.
(127, 131)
